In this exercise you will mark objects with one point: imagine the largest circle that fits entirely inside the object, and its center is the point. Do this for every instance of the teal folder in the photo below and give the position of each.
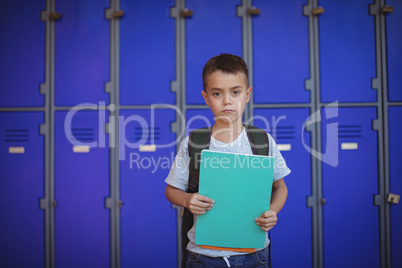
(241, 187)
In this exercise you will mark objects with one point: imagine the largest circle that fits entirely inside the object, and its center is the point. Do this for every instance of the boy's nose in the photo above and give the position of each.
(227, 101)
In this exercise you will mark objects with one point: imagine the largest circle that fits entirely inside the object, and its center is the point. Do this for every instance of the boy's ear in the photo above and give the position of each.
(204, 94)
(248, 94)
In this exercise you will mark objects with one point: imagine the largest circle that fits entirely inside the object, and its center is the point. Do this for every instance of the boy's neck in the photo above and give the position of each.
(226, 132)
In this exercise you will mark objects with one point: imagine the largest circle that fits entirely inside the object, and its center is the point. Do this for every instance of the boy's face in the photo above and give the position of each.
(227, 94)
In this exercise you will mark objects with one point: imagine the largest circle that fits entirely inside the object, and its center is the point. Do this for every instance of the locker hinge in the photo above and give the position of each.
(55, 16)
(43, 129)
(43, 203)
(393, 198)
(254, 11)
(109, 203)
(113, 14)
(378, 200)
(186, 13)
(318, 11)
(387, 9)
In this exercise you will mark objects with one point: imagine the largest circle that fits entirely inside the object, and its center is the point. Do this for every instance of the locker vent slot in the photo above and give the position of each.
(349, 131)
(16, 135)
(83, 134)
(283, 132)
(150, 133)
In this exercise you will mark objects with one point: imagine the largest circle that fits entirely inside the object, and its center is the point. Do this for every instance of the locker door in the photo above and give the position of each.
(213, 29)
(21, 187)
(22, 51)
(198, 118)
(394, 51)
(81, 185)
(280, 52)
(291, 237)
(81, 52)
(148, 221)
(147, 52)
(350, 220)
(395, 147)
(347, 51)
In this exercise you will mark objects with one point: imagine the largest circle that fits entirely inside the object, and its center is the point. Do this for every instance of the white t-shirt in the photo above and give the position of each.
(179, 173)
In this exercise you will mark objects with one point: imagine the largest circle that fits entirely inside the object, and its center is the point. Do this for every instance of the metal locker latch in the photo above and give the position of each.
(254, 11)
(387, 9)
(318, 10)
(120, 203)
(54, 203)
(323, 201)
(393, 198)
(186, 13)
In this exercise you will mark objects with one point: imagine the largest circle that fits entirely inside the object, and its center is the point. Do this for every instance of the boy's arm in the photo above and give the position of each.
(196, 203)
(268, 219)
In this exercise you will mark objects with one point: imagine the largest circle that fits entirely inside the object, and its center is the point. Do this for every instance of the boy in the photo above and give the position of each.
(226, 92)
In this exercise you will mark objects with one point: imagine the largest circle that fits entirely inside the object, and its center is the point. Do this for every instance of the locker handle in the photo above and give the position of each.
(254, 11)
(55, 16)
(186, 13)
(54, 203)
(323, 201)
(318, 11)
(120, 203)
(117, 14)
(393, 198)
(387, 9)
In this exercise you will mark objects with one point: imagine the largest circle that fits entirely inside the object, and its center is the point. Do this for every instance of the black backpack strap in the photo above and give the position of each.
(198, 140)
(258, 139)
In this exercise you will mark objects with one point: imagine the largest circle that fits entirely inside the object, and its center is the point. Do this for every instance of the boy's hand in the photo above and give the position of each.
(199, 204)
(267, 220)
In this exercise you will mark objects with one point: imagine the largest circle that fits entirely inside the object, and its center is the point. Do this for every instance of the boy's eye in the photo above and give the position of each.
(236, 92)
(216, 94)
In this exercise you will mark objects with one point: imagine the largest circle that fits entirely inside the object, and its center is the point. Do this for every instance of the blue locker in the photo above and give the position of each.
(394, 51)
(147, 52)
(395, 147)
(347, 51)
(213, 29)
(21, 187)
(148, 221)
(350, 219)
(281, 63)
(291, 237)
(198, 118)
(81, 185)
(22, 53)
(81, 52)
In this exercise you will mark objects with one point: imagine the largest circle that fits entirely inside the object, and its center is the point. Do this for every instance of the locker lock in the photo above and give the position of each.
(387, 9)
(54, 203)
(318, 10)
(393, 198)
(254, 11)
(55, 16)
(323, 201)
(120, 203)
(186, 13)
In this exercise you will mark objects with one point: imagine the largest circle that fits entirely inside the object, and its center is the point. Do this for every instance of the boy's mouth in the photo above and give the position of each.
(228, 111)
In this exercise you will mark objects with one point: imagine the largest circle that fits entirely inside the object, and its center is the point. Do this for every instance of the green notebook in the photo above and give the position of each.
(241, 187)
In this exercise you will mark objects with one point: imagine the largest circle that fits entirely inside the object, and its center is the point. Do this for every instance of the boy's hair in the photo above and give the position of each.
(226, 63)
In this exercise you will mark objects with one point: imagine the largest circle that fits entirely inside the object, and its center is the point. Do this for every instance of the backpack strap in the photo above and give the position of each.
(198, 140)
(258, 139)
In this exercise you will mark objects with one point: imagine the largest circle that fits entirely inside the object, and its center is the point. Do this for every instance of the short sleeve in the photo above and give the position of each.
(281, 169)
(178, 174)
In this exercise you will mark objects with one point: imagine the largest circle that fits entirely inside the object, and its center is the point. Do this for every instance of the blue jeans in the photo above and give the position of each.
(255, 259)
